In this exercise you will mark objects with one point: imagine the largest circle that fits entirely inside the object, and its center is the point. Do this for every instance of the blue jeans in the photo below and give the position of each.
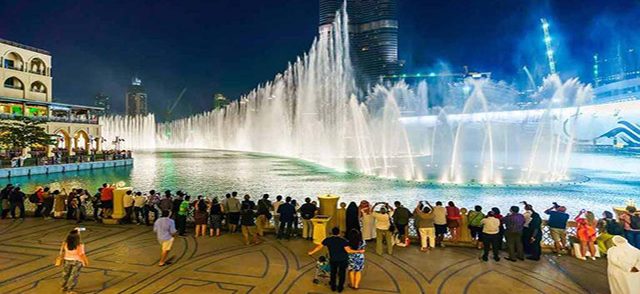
(633, 237)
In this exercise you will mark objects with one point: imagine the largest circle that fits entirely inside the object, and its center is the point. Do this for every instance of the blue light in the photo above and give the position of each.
(433, 74)
(547, 39)
(549, 52)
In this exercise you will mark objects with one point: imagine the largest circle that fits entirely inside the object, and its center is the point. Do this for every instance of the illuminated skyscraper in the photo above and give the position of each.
(102, 100)
(136, 99)
(373, 31)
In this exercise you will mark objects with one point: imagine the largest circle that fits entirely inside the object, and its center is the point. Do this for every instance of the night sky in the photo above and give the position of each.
(229, 46)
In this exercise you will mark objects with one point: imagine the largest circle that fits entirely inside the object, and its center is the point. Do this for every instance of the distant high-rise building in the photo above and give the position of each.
(219, 101)
(103, 101)
(136, 99)
(373, 31)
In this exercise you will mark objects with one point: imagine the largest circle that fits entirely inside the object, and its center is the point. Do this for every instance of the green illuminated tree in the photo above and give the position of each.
(17, 134)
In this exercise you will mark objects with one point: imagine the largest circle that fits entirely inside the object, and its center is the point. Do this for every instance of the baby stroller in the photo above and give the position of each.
(323, 271)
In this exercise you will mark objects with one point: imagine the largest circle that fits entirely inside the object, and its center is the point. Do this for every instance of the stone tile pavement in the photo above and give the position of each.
(124, 260)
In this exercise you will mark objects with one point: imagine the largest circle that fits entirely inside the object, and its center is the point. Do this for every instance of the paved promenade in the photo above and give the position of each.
(124, 260)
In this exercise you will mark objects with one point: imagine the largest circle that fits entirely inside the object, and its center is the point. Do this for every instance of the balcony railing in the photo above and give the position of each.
(14, 87)
(51, 118)
(13, 67)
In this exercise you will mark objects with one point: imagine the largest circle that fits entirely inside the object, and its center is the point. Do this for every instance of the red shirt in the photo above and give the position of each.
(106, 194)
(453, 212)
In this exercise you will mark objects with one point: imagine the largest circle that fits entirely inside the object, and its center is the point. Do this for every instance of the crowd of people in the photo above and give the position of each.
(519, 232)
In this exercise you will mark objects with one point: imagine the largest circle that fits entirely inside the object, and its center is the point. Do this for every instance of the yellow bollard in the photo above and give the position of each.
(118, 206)
(328, 207)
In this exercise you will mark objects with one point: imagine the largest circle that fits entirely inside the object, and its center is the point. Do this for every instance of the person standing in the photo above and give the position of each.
(151, 204)
(106, 198)
(535, 234)
(127, 202)
(339, 251)
(557, 223)
(475, 218)
(307, 212)
(623, 267)
(39, 195)
(96, 204)
(526, 233)
(352, 218)
(74, 258)
(16, 200)
(287, 213)
(233, 212)
(424, 222)
(439, 222)
(200, 217)
(631, 221)
(276, 215)
(215, 217)
(514, 222)
(368, 222)
(181, 217)
(453, 221)
(356, 260)
(175, 205)
(491, 236)
(401, 216)
(47, 203)
(4, 197)
(586, 233)
(383, 226)
(608, 227)
(139, 203)
(166, 203)
(248, 223)
(165, 229)
(264, 214)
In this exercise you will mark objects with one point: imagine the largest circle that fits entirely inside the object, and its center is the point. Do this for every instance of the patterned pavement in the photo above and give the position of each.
(124, 260)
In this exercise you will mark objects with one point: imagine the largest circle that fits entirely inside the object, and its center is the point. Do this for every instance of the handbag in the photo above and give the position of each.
(60, 257)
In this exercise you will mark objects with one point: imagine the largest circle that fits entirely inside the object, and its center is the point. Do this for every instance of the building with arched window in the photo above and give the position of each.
(26, 91)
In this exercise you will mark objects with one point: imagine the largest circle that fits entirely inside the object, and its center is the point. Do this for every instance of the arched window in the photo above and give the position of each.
(13, 61)
(38, 87)
(38, 66)
(13, 83)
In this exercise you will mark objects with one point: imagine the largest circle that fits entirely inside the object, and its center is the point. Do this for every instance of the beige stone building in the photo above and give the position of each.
(27, 91)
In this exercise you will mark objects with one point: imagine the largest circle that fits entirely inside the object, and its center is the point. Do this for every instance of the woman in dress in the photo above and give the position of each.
(352, 217)
(216, 211)
(356, 260)
(200, 217)
(586, 232)
(368, 222)
(453, 221)
(73, 254)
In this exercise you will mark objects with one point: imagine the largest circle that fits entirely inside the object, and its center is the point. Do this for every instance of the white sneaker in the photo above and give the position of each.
(593, 258)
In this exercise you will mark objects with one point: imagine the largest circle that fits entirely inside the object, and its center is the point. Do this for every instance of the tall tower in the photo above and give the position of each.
(102, 100)
(136, 98)
(373, 32)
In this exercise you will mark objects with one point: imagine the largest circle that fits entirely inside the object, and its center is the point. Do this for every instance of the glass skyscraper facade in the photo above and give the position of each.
(373, 30)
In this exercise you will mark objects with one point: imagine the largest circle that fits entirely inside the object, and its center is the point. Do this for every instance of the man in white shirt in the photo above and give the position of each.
(383, 224)
(139, 201)
(276, 215)
(439, 222)
(491, 236)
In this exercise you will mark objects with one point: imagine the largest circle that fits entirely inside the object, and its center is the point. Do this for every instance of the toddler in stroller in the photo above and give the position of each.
(323, 271)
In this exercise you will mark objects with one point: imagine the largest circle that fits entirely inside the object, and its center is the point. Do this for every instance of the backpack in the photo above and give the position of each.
(614, 228)
(33, 198)
(635, 222)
